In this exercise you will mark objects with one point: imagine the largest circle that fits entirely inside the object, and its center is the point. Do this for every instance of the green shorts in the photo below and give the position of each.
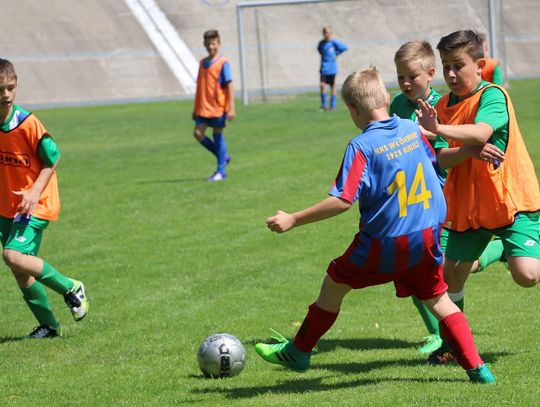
(22, 235)
(444, 239)
(520, 239)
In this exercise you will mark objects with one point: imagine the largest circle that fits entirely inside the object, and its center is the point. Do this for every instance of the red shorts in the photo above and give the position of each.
(424, 279)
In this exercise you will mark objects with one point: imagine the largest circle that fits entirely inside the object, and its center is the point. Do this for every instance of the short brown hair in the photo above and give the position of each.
(365, 90)
(7, 69)
(211, 34)
(471, 40)
(416, 51)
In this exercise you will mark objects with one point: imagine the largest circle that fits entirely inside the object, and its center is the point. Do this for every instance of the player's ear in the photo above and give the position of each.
(431, 73)
(480, 65)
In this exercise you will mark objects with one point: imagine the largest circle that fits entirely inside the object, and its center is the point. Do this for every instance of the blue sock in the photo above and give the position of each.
(209, 145)
(221, 151)
(323, 100)
(333, 101)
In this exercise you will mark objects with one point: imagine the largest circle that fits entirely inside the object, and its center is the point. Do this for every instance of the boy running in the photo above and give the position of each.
(29, 200)
(388, 168)
(415, 66)
(484, 199)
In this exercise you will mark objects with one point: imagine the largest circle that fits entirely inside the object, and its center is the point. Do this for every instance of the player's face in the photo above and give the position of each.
(8, 90)
(327, 34)
(212, 46)
(461, 73)
(414, 80)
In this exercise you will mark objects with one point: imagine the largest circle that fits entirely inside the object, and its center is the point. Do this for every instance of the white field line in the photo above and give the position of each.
(168, 43)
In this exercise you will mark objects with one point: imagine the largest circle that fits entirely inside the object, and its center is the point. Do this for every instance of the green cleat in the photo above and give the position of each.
(481, 374)
(433, 343)
(77, 301)
(284, 353)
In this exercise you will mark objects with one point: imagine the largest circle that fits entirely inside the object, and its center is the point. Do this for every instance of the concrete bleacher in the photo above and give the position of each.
(96, 52)
(81, 52)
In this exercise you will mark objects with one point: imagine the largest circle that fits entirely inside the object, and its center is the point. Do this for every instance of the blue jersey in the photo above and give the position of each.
(329, 50)
(389, 169)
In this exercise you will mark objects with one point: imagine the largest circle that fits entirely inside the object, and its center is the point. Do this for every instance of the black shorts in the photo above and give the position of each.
(328, 79)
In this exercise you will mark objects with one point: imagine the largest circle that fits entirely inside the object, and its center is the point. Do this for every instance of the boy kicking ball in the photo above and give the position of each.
(388, 168)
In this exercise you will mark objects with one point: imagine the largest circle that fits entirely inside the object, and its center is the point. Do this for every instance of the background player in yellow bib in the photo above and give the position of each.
(29, 200)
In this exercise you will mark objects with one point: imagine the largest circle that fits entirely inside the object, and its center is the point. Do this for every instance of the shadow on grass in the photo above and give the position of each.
(6, 339)
(172, 181)
(300, 386)
(326, 345)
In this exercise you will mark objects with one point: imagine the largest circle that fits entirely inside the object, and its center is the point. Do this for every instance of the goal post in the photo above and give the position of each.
(277, 39)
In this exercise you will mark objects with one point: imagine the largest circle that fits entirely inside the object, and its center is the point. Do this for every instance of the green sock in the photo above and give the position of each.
(38, 302)
(54, 280)
(491, 254)
(429, 319)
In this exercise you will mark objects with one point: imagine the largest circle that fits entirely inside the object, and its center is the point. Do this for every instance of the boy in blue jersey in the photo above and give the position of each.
(415, 67)
(388, 168)
(329, 48)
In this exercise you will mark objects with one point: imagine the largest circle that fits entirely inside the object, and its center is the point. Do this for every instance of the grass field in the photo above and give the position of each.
(168, 259)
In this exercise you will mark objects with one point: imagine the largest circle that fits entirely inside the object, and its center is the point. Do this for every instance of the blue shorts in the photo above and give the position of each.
(215, 122)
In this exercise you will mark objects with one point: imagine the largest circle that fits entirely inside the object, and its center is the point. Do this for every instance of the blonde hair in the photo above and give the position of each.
(416, 51)
(365, 90)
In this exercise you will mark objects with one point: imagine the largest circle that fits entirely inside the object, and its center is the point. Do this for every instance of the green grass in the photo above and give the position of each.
(169, 259)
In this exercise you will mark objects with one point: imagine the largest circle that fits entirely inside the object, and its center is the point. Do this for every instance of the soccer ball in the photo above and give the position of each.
(221, 355)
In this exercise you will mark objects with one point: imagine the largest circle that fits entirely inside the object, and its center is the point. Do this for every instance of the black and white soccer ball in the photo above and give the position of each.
(221, 355)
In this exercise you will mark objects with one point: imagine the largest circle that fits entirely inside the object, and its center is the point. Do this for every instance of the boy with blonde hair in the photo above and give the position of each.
(29, 200)
(484, 199)
(415, 67)
(214, 102)
(388, 168)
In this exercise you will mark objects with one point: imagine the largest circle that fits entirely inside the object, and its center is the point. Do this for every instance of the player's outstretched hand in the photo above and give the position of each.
(280, 222)
(427, 116)
(29, 200)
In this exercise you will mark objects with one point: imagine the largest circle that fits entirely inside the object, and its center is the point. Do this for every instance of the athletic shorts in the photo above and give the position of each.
(417, 264)
(328, 79)
(520, 239)
(444, 239)
(215, 122)
(21, 234)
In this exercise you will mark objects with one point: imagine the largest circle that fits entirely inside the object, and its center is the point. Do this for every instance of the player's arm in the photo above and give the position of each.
(327, 208)
(340, 47)
(50, 157)
(231, 114)
(450, 157)
(225, 79)
(473, 134)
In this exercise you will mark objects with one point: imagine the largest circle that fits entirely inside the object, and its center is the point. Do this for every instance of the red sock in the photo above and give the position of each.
(456, 332)
(315, 325)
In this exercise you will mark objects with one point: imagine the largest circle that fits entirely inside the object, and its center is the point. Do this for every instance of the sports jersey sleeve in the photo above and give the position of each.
(48, 151)
(225, 75)
(340, 47)
(498, 75)
(492, 109)
(349, 178)
(320, 47)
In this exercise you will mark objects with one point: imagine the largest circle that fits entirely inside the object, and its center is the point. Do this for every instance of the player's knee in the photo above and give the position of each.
(198, 134)
(12, 258)
(527, 278)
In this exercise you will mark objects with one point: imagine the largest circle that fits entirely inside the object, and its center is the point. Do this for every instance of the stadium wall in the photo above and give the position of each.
(70, 53)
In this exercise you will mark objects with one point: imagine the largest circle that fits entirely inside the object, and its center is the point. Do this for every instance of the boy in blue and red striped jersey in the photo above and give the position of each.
(214, 102)
(389, 169)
